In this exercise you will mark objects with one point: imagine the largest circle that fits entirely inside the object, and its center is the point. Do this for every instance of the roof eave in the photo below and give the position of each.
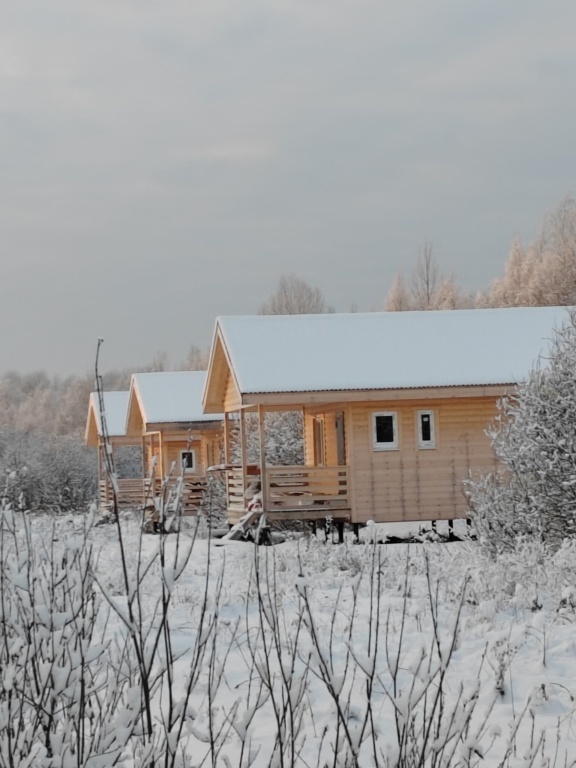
(367, 395)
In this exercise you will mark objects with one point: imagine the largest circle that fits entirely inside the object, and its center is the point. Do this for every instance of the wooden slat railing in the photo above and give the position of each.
(235, 490)
(130, 492)
(193, 494)
(296, 488)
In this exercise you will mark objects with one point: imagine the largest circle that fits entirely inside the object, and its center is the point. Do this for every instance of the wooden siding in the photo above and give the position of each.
(134, 421)
(308, 439)
(220, 386)
(232, 399)
(330, 446)
(413, 483)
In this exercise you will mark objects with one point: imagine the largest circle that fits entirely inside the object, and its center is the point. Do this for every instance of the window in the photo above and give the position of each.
(188, 460)
(426, 432)
(384, 431)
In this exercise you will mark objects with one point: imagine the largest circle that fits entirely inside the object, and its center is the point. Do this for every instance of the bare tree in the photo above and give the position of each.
(295, 296)
(196, 360)
(427, 287)
(425, 279)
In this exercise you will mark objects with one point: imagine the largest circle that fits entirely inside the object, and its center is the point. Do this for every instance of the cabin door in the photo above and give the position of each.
(319, 443)
(340, 439)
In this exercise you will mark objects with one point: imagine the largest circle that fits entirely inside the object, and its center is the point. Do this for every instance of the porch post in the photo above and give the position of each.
(102, 476)
(226, 439)
(243, 450)
(113, 457)
(161, 455)
(261, 415)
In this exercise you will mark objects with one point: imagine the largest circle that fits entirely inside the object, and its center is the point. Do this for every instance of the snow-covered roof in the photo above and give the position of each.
(115, 409)
(172, 397)
(387, 350)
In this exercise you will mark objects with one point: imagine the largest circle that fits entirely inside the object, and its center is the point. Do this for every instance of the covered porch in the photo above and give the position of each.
(179, 457)
(314, 490)
(112, 442)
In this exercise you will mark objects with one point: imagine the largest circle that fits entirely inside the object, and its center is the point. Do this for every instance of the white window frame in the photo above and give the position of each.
(394, 444)
(183, 452)
(426, 444)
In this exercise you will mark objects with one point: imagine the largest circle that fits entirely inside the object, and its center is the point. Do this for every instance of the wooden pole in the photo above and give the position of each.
(261, 415)
(243, 451)
(161, 454)
(226, 439)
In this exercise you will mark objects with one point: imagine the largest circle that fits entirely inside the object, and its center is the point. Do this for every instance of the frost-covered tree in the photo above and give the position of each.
(534, 438)
(284, 436)
(514, 287)
(397, 299)
(543, 273)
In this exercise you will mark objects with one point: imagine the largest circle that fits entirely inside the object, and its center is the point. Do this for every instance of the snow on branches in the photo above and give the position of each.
(534, 438)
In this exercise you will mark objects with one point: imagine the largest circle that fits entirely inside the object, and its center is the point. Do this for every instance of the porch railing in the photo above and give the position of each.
(130, 492)
(294, 489)
(193, 493)
(134, 492)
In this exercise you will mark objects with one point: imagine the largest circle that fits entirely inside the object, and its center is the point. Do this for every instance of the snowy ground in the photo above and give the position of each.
(338, 649)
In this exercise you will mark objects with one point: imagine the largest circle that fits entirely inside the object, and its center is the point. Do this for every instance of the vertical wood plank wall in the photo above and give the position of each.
(413, 483)
(207, 451)
(308, 439)
(232, 399)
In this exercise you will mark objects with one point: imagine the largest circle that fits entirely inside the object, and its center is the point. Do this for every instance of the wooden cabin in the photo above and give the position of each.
(165, 414)
(394, 405)
(131, 487)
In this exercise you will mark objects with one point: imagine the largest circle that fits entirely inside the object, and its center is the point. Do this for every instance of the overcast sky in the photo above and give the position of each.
(165, 162)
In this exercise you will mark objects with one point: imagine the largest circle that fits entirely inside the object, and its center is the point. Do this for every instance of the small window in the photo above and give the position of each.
(188, 460)
(426, 432)
(384, 431)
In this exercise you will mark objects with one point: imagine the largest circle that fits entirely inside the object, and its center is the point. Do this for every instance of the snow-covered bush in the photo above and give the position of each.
(534, 438)
(284, 438)
(214, 506)
(284, 435)
(167, 651)
(128, 460)
(63, 700)
(47, 472)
